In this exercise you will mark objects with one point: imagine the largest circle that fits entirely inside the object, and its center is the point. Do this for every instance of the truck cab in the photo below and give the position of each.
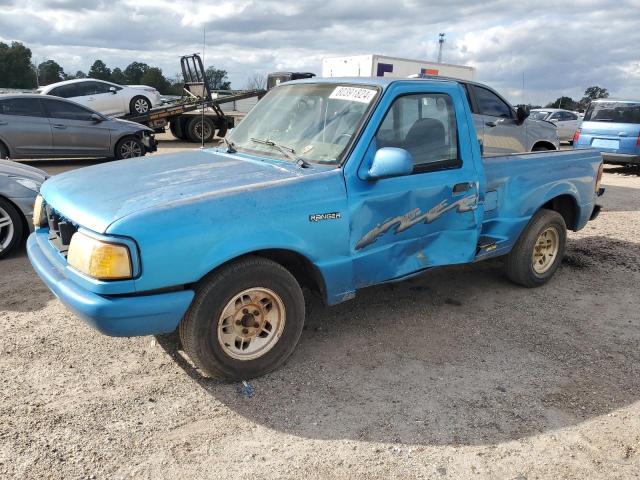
(332, 185)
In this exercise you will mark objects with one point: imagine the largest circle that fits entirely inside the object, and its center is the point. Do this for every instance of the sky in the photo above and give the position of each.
(552, 48)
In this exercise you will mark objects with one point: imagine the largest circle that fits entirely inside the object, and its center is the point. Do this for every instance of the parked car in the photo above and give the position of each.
(500, 127)
(33, 126)
(359, 182)
(105, 97)
(19, 187)
(566, 121)
(612, 127)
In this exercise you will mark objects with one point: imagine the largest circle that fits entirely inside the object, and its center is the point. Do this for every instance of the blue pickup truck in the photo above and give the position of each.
(329, 185)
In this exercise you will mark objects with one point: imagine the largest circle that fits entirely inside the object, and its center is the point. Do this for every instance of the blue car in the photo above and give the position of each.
(613, 128)
(329, 184)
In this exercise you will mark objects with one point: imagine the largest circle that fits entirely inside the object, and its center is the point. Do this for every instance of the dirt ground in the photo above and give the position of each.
(456, 374)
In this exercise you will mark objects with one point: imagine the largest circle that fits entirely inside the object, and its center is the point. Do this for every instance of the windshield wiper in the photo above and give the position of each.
(231, 147)
(288, 152)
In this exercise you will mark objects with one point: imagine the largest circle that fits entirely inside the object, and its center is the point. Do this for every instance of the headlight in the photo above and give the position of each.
(98, 259)
(28, 183)
(39, 216)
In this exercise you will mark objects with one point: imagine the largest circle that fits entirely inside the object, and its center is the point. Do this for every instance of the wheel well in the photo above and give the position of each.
(304, 271)
(6, 148)
(566, 206)
(545, 144)
(136, 135)
(25, 225)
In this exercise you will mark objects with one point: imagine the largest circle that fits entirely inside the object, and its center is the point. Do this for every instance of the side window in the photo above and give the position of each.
(95, 88)
(65, 91)
(425, 126)
(25, 107)
(490, 104)
(556, 116)
(66, 110)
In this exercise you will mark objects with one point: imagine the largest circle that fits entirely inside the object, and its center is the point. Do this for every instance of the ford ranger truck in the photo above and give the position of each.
(329, 184)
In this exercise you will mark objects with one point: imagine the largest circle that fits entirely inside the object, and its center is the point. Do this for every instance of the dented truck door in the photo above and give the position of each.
(431, 217)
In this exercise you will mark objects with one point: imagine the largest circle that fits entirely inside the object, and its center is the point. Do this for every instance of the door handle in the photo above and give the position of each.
(59, 126)
(622, 134)
(4, 123)
(461, 187)
(491, 124)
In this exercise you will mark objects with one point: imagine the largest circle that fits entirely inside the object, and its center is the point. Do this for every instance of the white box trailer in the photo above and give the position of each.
(383, 66)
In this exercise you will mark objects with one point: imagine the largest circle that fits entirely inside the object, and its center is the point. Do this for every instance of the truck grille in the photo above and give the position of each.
(60, 230)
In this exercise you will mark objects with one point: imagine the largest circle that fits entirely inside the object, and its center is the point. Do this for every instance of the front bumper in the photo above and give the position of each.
(620, 158)
(115, 315)
(150, 143)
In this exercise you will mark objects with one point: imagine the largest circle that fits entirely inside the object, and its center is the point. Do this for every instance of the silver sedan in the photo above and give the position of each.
(39, 126)
(19, 186)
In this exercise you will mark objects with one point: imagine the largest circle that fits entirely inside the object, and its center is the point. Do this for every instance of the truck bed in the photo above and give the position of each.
(533, 179)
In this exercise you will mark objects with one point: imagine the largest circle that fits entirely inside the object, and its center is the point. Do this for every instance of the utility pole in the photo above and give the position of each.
(204, 84)
(441, 42)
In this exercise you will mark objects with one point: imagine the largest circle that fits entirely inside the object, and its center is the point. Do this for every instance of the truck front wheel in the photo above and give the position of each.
(244, 321)
(539, 251)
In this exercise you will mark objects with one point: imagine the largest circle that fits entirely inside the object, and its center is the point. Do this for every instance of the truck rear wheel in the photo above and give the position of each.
(196, 128)
(244, 321)
(538, 252)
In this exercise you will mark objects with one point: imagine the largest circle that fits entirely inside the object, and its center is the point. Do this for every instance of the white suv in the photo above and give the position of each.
(105, 97)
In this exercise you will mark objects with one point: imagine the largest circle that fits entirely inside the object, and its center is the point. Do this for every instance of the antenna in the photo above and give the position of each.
(441, 42)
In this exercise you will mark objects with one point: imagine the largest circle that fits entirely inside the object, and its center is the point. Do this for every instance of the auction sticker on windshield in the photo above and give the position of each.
(353, 94)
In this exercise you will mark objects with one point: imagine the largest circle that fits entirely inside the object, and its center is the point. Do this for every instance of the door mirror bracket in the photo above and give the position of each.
(97, 118)
(521, 114)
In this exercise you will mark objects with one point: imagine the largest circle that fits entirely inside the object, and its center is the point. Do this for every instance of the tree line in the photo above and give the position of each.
(568, 103)
(18, 71)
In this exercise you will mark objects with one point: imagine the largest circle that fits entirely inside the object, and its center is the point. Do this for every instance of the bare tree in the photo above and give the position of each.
(257, 81)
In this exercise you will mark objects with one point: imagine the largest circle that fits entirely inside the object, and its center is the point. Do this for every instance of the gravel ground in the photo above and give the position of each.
(456, 374)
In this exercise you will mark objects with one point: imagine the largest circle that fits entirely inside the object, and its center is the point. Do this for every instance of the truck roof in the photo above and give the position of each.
(382, 82)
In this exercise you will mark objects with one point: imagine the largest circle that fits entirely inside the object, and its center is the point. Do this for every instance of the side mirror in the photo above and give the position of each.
(113, 90)
(390, 162)
(97, 118)
(521, 114)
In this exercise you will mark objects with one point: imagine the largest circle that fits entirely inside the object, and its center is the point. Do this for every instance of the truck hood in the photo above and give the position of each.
(96, 196)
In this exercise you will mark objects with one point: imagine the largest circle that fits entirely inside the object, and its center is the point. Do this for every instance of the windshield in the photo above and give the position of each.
(615, 112)
(315, 122)
(539, 115)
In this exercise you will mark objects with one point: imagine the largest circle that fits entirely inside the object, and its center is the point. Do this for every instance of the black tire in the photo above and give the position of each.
(175, 129)
(194, 129)
(10, 234)
(4, 153)
(540, 148)
(199, 332)
(139, 105)
(519, 264)
(129, 147)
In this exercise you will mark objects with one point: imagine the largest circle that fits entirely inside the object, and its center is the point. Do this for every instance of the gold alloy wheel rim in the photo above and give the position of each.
(251, 323)
(545, 250)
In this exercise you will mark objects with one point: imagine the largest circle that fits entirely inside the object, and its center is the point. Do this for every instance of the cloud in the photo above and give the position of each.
(557, 48)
